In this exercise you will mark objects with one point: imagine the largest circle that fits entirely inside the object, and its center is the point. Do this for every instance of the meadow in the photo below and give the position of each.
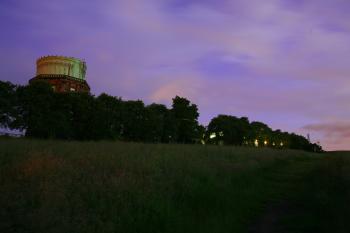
(60, 186)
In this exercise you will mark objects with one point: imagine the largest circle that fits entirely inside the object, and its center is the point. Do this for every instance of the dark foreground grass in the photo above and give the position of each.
(53, 186)
(322, 203)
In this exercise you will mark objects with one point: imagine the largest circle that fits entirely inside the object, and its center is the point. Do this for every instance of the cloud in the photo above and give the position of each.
(165, 93)
(339, 129)
(284, 62)
(335, 135)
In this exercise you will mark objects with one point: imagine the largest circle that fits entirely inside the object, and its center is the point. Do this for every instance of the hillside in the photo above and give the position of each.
(56, 186)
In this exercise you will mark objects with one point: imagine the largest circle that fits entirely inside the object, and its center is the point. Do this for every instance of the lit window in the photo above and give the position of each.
(72, 89)
(212, 135)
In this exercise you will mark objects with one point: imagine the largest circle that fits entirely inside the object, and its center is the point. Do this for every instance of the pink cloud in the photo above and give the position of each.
(335, 135)
(297, 71)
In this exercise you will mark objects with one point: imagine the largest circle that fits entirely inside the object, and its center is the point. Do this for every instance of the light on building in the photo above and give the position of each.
(256, 143)
(265, 142)
(281, 144)
(212, 135)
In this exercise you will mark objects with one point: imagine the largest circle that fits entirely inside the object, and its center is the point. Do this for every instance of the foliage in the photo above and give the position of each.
(156, 124)
(7, 103)
(109, 109)
(186, 119)
(43, 113)
(230, 130)
(37, 110)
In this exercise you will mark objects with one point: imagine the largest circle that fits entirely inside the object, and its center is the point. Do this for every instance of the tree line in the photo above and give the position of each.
(42, 113)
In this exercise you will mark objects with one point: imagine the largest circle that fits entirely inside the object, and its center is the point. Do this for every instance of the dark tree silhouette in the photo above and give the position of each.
(8, 104)
(260, 134)
(42, 113)
(109, 116)
(228, 130)
(155, 123)
(186, 120)
(36, 113)
(133, 120)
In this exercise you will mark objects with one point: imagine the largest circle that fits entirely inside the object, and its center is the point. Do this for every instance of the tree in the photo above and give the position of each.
(61, 117)
(200, 132)
(109, 116)
(84, 114)
(7, 104)
(279, 139)
(170, 128)
(259, 133)
(42, 113)
(35, 111)
(186, 118)
(133, 120)
(299, 142)
(156, 123)
(228, 130)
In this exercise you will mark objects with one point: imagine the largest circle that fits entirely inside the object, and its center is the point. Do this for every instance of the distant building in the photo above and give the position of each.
(65, 74)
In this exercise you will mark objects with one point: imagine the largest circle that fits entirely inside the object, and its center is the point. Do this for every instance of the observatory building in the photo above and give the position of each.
(65, 74)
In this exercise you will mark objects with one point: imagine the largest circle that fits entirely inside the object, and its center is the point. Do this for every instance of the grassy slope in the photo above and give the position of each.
(51, 186)
(321, 202)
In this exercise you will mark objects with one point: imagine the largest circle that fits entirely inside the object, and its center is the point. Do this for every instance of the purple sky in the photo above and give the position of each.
(283, 62)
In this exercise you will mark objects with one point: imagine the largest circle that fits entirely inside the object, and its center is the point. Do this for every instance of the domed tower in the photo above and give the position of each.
(65, 74)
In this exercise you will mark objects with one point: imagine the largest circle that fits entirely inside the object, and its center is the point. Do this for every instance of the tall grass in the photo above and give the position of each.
(56, 186)
(321, 202)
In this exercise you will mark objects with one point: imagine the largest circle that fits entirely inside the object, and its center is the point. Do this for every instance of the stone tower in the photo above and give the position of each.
(65, 74)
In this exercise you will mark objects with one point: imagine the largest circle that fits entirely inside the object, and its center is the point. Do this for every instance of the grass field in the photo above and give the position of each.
(54, 186)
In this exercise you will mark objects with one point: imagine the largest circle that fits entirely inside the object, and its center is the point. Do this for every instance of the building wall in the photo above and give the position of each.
(63, 84)
(67, 85)
(58, 65)
(64, 74)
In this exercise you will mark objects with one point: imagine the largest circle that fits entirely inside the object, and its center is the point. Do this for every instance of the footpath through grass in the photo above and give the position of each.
(54, 186)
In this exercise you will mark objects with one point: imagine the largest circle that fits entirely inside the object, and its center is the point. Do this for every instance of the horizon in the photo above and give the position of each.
(284, 63)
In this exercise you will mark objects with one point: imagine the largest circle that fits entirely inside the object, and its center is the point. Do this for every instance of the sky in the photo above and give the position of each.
(283, 62)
